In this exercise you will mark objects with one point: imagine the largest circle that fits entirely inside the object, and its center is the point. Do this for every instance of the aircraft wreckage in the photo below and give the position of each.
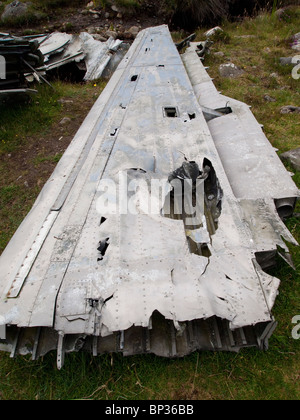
(107, 262)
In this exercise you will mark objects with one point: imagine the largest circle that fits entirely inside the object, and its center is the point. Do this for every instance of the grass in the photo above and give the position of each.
(18, 122)
(32, 142)
(264, 40)
(248, 375)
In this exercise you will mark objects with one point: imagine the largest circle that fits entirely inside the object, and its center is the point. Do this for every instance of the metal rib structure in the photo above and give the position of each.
(100, 264)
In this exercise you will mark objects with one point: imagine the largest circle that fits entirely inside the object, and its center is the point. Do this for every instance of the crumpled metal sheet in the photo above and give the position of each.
(141, 282)
(17, 56)
(59, 49)
(62, 48)
(97, 54)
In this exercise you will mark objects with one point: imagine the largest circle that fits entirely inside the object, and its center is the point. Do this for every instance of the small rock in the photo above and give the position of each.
(107, 15)
(292, 157)
(289, 109)
(212, 31)
(65, 101)
(26, 184)
(230, 70)
(15, 9)
(219, 54)
(112, 34)
(115, 8)
(275, 75)
(131, 33)
(245, 36)
(65, 120)
(269, 98)
(99, 37)
(91, 30)
(134, 30)
(90, 5)
(280, 13)
(296, 42)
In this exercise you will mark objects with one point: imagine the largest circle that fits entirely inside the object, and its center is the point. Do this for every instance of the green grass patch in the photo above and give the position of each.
(16, 122)
(54, 159)
(19, 121)
(15, 203)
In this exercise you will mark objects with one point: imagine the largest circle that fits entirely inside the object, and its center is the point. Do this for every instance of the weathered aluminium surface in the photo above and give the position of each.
(76, 277)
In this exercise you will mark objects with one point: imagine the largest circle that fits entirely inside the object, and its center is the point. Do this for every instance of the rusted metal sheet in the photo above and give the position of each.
(143, 240)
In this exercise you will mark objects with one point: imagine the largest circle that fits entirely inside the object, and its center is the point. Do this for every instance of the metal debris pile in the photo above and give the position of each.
(19, 56)
(33, 58)
(88, 54)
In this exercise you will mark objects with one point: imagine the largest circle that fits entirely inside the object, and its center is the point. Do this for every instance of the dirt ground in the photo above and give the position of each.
(31, 161)
(76, 20)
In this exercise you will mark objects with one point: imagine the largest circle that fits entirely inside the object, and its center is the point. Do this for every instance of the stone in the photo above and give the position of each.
(65, 120)
(292, 157)
(230, 70)
(296, 42)
(219, 54)
(65, 101)
(99, 37)
(289, 109)
(112, 34)
(134, 30)
(212, 31)
(115, 8)
(246, 36)
(269, 98)
(131, 33)
(91, 30)
(14, 10)
(280, 13)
